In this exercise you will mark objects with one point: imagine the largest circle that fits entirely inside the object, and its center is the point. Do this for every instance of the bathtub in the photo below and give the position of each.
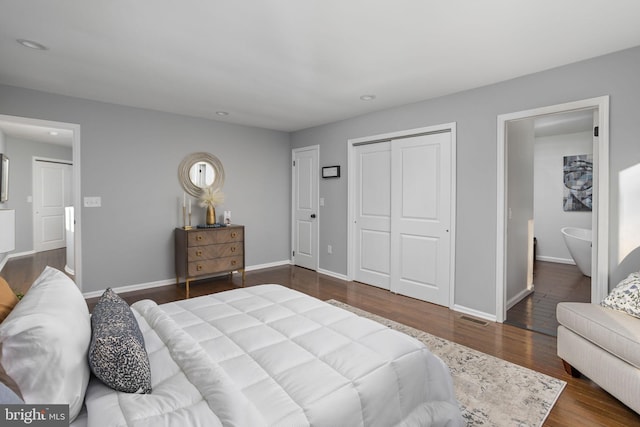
(578, 241)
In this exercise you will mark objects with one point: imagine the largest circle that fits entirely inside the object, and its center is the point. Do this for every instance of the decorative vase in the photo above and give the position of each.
(211, 215)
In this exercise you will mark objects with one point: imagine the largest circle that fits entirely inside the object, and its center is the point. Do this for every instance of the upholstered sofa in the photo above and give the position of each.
(604, 345)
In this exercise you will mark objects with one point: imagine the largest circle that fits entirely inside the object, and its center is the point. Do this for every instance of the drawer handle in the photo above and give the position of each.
(198, 253)
(198, 238)
(199, 267)
(233, 262)
(233, 248)
(233, 234)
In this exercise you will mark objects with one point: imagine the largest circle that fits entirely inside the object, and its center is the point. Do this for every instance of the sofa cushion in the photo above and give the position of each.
(612, 330)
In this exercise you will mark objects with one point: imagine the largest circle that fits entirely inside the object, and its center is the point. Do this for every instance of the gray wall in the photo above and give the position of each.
(21, 153)
(520, 141)
(130, 158)
(475, 112)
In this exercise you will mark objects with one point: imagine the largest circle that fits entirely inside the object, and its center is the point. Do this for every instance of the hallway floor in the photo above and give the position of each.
(553, 283)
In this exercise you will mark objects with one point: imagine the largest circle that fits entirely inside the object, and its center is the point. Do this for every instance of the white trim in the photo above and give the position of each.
(333, 274)
(172, 281)
(315, 148)
(351, 208)
(473, 312)
(268, 265)
(19, 254)
(131, 288)
(556, 260)
(600, 213)
(75, 144)
(516, 299)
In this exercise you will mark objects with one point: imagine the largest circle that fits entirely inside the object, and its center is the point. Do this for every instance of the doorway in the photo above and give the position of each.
(45, 130)
(401, 210)
(599, 219)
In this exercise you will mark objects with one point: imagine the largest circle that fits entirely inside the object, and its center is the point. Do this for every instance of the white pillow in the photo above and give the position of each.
(625, 296)
(45, 340)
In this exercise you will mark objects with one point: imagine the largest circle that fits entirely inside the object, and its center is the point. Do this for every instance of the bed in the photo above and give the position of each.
(258, 356)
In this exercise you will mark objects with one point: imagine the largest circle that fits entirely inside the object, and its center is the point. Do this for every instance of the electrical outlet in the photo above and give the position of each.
(329, 249)
(93, 202)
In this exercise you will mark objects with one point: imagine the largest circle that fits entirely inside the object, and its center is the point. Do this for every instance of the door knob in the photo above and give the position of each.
(313, 215)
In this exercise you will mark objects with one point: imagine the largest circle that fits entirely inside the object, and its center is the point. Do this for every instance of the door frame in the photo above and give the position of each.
(600, 214)
(34, 162)
(351, 208)
(77, 198)
(316, 223)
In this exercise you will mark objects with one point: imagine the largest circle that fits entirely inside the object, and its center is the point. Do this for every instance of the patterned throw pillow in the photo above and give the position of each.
(626, 296)
(117, 355)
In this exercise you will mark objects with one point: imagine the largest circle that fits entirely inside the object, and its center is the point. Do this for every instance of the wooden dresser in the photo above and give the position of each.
(204, 252)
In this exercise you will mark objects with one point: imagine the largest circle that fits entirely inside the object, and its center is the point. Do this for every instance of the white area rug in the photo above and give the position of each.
(491, 391)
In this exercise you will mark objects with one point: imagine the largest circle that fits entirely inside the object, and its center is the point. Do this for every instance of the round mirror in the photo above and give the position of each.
(199, 171)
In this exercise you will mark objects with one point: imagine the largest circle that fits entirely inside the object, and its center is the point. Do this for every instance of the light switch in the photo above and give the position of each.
(321, 201)
(93, 202)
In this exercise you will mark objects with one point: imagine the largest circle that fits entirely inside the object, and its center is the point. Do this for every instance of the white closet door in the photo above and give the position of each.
(51, 193)
(373, 214)
(420, 217)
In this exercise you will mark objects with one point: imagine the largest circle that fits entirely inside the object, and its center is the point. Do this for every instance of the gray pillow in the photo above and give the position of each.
(117, 355)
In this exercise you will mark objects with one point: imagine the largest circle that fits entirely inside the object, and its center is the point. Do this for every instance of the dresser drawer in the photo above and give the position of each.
(212, 266)
(221, 235)
(198, 253)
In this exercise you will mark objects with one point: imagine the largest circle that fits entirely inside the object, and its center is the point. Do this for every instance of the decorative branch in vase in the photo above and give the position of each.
(210, 198)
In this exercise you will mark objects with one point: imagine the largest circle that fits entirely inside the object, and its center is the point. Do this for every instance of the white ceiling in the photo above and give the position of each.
(292, 64)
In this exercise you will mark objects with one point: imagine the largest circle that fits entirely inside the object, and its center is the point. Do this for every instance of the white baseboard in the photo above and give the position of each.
(7, 257)
(19, 254)
(131, 288)
(556, 260)
(333, 274)
(172, 281)
(516, 299)
(268, 265)
(475, 313)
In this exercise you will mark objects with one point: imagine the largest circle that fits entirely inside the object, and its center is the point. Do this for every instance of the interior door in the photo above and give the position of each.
(372, 241)
(51, 193)
(305, 201)
(421, 212)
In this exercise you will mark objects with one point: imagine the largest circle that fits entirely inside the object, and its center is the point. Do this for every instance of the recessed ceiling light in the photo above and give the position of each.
(53, 133)
(222, 113)
(31, 44)
(368, 97)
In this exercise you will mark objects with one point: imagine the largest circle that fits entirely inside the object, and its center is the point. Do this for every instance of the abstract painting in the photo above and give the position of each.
(578, 183)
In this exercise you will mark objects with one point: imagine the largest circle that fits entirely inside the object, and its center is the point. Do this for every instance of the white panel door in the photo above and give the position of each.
(372, 240)
(51, 193)
(305, 202)
(420, 200)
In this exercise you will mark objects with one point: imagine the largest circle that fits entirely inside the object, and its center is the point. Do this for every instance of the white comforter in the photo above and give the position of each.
(271, 356)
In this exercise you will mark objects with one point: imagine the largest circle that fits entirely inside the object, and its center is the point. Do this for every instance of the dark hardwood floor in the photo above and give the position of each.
(553, 283)
(581, 403)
